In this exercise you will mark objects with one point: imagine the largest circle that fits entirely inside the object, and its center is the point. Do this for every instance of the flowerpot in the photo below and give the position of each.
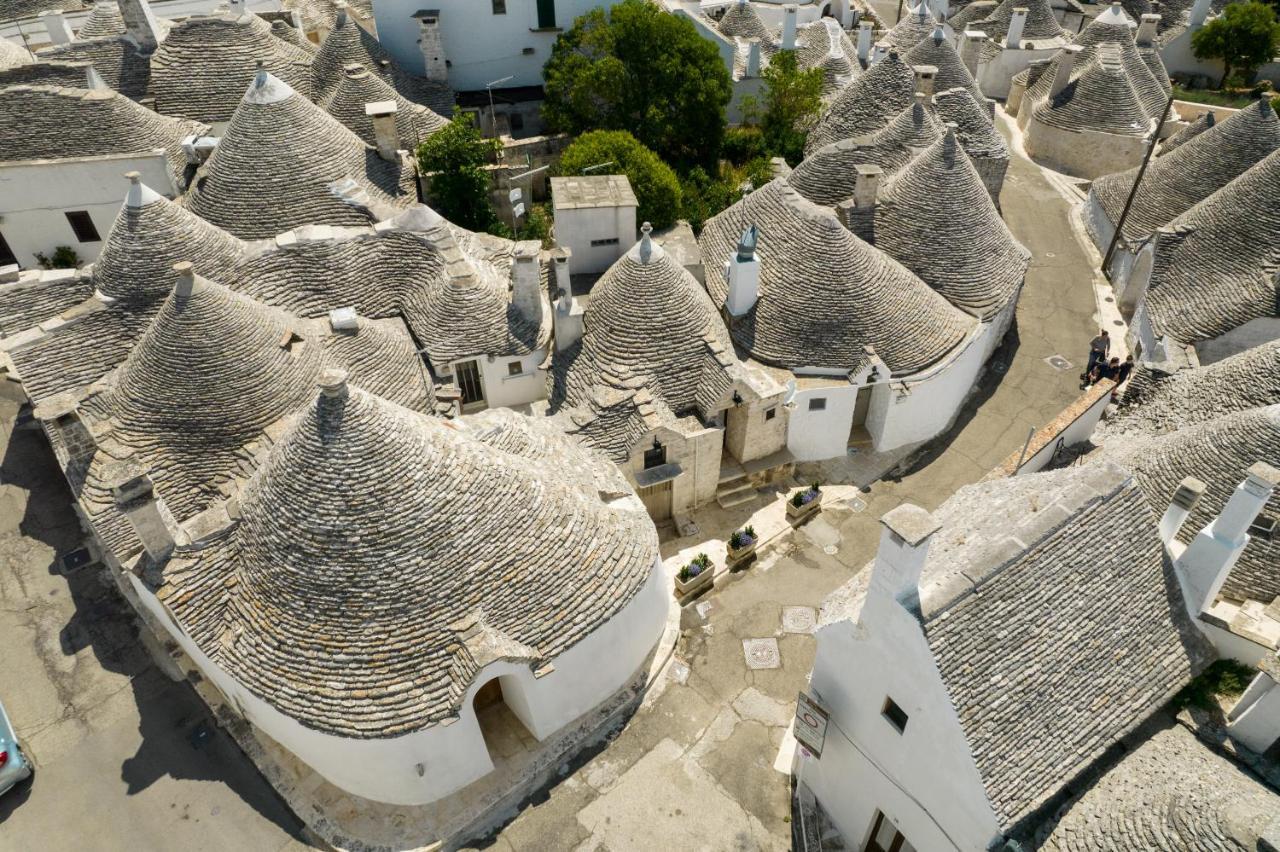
(795, 512)
(741, 555)
(694, 585)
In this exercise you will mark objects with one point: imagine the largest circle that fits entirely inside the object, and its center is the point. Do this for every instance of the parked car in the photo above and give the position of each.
(14, 766)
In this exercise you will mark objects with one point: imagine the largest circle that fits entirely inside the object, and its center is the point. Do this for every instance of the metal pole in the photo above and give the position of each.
(1022, 455)
(493, 121)
(899, 18)
(1133, 190)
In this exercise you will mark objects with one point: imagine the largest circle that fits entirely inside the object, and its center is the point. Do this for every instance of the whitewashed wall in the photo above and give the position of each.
(1255, 719)
(1083, 154)
(815, 435)
(1256, 332)
(576, 228)
(995, 75)
(502, 390)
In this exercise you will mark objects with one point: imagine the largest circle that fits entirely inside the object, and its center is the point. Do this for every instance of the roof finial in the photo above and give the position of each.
(949, 143)
(646, 244)
(260, 76)
(333, 383)
(139, 193)
(747, 243)
(186, 285)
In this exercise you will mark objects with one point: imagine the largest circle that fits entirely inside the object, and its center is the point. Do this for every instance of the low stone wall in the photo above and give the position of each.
(1073, 426)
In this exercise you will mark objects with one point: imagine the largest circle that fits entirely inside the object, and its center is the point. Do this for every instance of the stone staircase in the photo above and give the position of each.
(734, 487)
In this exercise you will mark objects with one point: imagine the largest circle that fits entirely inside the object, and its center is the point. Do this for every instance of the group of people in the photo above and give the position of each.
(1102, 367)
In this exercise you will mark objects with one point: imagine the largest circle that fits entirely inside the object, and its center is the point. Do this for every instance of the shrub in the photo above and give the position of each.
(1244, 36)
(63, 257)
(655, 184)
(1224, 677)
(455, 156)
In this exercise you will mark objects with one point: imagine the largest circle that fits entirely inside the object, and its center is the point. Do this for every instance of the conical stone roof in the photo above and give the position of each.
(1041, 23)
(866, 104)
(374, 544)
(825, 295)
(936, 50)
(359, 87)
(936, 218)
(104, 19)
(1101, 97)
(741, 21)
(291, 35)
(11, 55)
(1113, 27)
(917, 24)
(1202, 123)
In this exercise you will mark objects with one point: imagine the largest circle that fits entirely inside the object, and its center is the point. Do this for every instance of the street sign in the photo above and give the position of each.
(811, 724)
(514, 195)
(518, 210)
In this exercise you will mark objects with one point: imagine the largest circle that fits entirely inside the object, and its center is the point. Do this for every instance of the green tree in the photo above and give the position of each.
(1245, 36)
(792, 100)
(636, 67)
(655, 184)
(455, 157)
(63, 257)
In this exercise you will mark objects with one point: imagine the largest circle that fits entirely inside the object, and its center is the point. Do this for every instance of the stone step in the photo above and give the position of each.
(735, 495)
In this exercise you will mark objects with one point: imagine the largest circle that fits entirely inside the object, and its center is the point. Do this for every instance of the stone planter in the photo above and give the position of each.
(694, 585)
(741, 555)
(796, 514)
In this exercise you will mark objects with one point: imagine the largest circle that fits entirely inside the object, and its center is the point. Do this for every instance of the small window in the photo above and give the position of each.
(655, 457)
(83, 227)
(517, 120)
(770, 413)
(818, 403)
(612, 241)
(499, 7)
(514, 369)
(546, 14)
(895, 714)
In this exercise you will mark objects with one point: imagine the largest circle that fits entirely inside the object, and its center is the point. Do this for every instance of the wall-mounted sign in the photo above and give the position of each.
(811, 724)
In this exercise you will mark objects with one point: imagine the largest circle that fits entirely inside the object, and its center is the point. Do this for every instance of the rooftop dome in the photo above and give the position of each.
(1113, 27)
(937, 51)
(11, 55)
(104, 19)
(936, 218)
(1041, 23)
(1175, 182)
(202, 67)
(823, 44)
(149, 235)
(917, 24)
(348, 607)
(358, 88)
(825, 295)
(741, 21)
(1100, 97)
(866, 104)
(283, 161)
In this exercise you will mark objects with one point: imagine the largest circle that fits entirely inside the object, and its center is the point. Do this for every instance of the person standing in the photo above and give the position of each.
(1099, 349)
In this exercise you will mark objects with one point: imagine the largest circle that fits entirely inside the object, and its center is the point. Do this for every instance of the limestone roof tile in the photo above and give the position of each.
(123, 67)
(740, 20)
(16, 9)
(12, 55)
(359, 87)
(938, 51)
(30, 301)
(866, 104)
(69, 75)
(1101, 97)
(1041, 24)
(104, 19)
(1193, 129)
(917, 24)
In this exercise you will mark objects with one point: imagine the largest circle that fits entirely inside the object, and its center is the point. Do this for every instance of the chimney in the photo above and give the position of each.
(431, 42)
(1189, 492)
(1066, 63)
(568, 311)
(92, 79)
(135, 497)
(526, 281)
(971, 50)
(340, 19)
(139, 194)
(1017, 21)
(864, 41)
(55, 24)
(744, 275)
(75, 447)
(904, 546)
(140, 24)
(236, 7)
(1199, 12)
(789, 27)
(753, 57)
(564, 284)
(1204, 565)
(925, 75)
(188, 282)
(858, 214)
(333, 383)
(386, 137)
(866, 185)
(1147, 30)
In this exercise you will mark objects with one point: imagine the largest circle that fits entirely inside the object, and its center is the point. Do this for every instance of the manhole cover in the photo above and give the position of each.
(831, 550)
(857, 504)
(762, 653)
(1058, 362)
(798, 619)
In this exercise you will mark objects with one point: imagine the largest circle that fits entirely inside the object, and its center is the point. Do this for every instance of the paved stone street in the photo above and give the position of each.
(125, 758)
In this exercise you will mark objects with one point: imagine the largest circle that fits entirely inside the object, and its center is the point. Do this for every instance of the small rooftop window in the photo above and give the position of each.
(499, 7)
(895, 714)
(770, 413)
(818, 403)
(83, 226)
(514, 368)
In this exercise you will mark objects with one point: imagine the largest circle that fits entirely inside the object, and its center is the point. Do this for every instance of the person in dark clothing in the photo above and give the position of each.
(1121, 376)
(1099, 348)
(1104, 370)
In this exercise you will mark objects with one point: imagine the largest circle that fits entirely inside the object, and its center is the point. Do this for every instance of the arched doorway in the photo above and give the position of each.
(505, 736)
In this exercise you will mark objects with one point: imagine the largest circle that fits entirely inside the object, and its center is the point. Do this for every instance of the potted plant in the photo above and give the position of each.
(695, 576)
(804, 502)
(742, 545)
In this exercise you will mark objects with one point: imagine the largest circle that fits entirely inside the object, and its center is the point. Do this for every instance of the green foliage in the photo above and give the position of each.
(705, 195)
(537, 225)
(63, 257)
(636, 67)
(1224, 677)
(742, 144)
(656, 186)
(792, 100)
(455, 156)
(1245, 36)
(1235, 100)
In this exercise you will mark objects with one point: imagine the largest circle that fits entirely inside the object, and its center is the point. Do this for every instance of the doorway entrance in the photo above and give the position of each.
(467, 374)
(885, 837)
(505, 735)
(657, 499)
(858, 435)
(6, 254)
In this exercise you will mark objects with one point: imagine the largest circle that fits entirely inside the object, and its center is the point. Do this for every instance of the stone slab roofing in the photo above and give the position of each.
(1041, 24)
(1045, 682)
(40, 296)
(1192, 130)
(1217, 266)
(1190, 173)
(283, 162)
(1101, 97)
(348, 607)
(917, 24)
(122, 66)
(14, 10)
(866, 104)
(202, 68)
(1142, 66)
(34, 123)
(323, 14)
(12, 55)
(978, 135)
(69, 75)
(359, 87)
(104, 19)
(824, 44)
(1170, 792)
(825, 295)
(740, 20)
(936, 50)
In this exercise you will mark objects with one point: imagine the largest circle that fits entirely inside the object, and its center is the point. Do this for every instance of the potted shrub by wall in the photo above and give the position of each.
(804, 502)
(695, 576)
(742, 545)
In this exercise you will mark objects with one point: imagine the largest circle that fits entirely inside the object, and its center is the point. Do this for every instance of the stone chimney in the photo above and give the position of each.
(75, 446)
(1204, 565)
(1184, 502)
(858, 214)
(135, 498)
(385, 134)
(925, 75)
(55, 24)
(744, 275)
(971, 50)
(904, 547)
(340, 19)
(139, 194)
(187, 282)
(526, 281)
(864, 41)
(1199, 12)
(567, 315)
(1255, 719)
(431, 42)
(140, 24)
(753, 57)
(333, 383)
(1146, 35)
(789, 27)
(1017, 22)
(1066, 64)
(92, 79)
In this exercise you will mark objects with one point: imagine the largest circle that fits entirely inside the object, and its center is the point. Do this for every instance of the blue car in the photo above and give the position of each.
(14, 766)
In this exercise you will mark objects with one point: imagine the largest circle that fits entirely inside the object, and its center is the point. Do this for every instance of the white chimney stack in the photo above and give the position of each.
(431, 43)
(526, 281)
(925, 75)
(385, 135)
(1203, 567)
(971, 50)
(1017, 21)
(753, 57)
(744, 275)
(55, 24)
(92, 79)
(864, 41)
(568, 311)
(135, 498)
(1199, 12)
(333, 383)
(1255, 718)
(904, 547)
(1184, 502)
(1066, 64)
(1147, 30)
(789, 26)
(140, 24)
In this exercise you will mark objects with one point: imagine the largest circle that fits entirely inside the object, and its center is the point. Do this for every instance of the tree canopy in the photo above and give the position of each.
(1244, 37)
(455, 157)
(655, 184)
(792, 100)
(638, 68)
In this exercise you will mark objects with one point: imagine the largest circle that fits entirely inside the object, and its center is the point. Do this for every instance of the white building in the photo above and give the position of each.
(595, 218)
(998, 43)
